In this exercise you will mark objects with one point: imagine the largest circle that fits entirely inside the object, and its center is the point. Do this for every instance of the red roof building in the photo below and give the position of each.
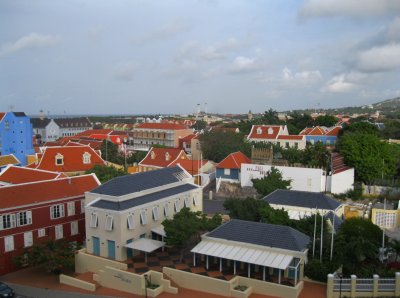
(68, 159)
(19, 175)
(39, 211)
(229, 168)
(158, 158)
(276, 134)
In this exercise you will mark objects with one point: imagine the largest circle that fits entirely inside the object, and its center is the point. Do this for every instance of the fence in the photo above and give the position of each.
(363, 287)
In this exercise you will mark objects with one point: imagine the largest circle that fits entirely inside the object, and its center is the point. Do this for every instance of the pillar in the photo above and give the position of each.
(375, 285)
(207, 262)
(248, 270)
(234, 267)
(397, 286)
(220, 264)
(194, 259)
(353, 286)
(263, 273)
(329, 286)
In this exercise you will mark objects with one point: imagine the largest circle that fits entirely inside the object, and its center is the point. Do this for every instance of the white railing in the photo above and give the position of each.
(386, 284)
(364, 285)
(342, 285)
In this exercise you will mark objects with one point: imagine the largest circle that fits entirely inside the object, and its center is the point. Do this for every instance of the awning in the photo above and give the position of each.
(145, 244)
(255, 256)
(159, 230)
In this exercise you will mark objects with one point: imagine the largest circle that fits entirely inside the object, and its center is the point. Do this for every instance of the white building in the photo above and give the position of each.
(126, 212)
(303, 179)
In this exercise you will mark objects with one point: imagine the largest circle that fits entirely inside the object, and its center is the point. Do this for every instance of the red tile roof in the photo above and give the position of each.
(290, 137)
(191, 166)
(72, 158)
(313, 131)
(18, 175)
(334, 131)
(2, 115)
(188, 137)
(306, 131)
(233, 161)
(165, 126)
(266, 131)
(89, 132)
(157, 157)
(41, 192)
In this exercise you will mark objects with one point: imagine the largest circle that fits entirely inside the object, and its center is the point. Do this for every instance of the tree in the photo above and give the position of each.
(199, 125)
(216, 145)
(256, 210)
(370, 157)
(105, 173)
(271, 117)
(109, 152)
(271, 182)
(360, 128)
(357, 241)
(316, 155)
(299, 121)
(53, 256)
(326, 120)
(186, 226)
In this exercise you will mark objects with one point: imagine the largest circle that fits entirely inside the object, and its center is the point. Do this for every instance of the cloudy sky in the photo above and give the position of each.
(145, 56)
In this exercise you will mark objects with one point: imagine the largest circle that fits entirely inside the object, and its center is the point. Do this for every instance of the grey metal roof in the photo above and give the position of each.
(214, 206)
(138, 182)
(262, 234)
(40, 123)
(19, 114)
(127, 204)
(73, 122)
(304, 199)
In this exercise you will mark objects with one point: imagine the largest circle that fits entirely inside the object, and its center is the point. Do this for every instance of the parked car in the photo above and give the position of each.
(5, 290)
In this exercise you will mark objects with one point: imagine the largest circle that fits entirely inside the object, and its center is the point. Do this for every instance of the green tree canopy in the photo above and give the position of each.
(326, 120)
(271, 117)
(357, 241)
(53, 256)
(271, 182)
(370, 157)
(105, 173)
(199, 125)
(187, 225)
(360, 128)
(216, 145)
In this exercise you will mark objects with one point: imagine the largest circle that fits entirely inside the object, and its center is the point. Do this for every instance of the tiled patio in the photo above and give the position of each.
(171, 257)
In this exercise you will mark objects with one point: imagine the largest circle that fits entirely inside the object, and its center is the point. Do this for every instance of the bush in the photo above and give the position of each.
(318, 271)
(356, 193)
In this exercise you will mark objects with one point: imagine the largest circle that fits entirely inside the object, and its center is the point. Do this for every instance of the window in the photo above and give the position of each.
(143, 217)
(142, 235)
(71, 208)
(59, 159)
(195, 200)
(109, 223)
(74, 228)
(24, 218)
(186, 202)
(296, 145)
(86, 158)
(328, 142)
(8, 243)
(28, 239)
(166, 210)
(155, 213)
(287, 145)
(59, 232)
(259, 130)
(93, 220)
(131, 222)
(7, 221)
(41, 233)
(176, 206)
(57, 211)
(270, 131)
(82, 206)
(227, 172)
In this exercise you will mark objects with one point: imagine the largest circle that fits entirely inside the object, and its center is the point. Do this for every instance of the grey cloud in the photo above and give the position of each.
(377, 59)
(243, 65)
(125, 71)
(349, 8)
(165, 31)
(33, 40)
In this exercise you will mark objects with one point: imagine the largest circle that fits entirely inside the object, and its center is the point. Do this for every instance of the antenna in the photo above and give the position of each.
(11, 108)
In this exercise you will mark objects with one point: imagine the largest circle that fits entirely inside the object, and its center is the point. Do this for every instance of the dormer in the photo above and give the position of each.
(59, 160)
(86, 158)
(167, 156)
(152, 155)
(270, 131)
(259, 131)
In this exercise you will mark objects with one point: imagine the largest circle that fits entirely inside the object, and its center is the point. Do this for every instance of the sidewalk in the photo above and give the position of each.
(38, 278)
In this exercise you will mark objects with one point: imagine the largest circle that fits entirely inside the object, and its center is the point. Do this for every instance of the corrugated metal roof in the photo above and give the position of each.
(304, 199)
(257, 233)
(138, 182)
(255, 256)
(127, 204)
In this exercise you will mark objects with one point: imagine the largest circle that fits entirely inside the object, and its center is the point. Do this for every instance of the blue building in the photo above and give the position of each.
(229, 168)
(327, 136)
(16, 135)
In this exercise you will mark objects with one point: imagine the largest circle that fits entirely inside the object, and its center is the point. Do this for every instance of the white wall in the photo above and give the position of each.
(304, 179)
(342, 182)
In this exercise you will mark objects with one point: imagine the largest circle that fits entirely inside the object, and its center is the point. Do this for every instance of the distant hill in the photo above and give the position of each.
(387, 106)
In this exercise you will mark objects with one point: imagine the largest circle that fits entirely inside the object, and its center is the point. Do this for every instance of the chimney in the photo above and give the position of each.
(167, 156)
(41, 115)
